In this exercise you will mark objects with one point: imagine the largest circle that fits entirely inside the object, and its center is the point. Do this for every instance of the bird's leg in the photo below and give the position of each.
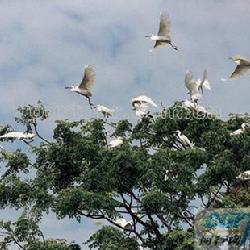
(201, 88)
(90, 103)
(173, 46)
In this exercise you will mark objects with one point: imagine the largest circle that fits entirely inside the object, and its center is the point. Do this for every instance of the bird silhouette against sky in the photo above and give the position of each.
(163, 36)
(84, 88)
(243, 65)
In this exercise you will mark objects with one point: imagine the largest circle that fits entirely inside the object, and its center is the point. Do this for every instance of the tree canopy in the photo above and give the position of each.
(146, 192)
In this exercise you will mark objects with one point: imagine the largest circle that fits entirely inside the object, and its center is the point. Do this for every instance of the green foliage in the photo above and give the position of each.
(150, 180)
(16, 162)
(109, 238)
(29, 115)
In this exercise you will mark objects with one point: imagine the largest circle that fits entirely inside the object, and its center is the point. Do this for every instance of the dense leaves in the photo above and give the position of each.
(152, 181)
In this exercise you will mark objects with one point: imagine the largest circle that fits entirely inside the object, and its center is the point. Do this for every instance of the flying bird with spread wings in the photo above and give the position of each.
(194, 86)
(163, 36)
(243, 65)
(84, 88)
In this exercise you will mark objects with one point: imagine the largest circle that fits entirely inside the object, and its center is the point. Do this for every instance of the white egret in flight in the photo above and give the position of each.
(204, 82)
(84, 88)
(163, 36)
(194, 86)
(116, 142)
(18, 135)
(243, 65)
(107, 112)
(240, 130)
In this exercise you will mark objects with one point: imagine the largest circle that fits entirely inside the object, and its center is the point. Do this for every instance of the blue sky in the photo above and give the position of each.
(45, 44)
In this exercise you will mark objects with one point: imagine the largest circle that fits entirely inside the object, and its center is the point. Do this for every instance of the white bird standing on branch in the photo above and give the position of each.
(116, 142)
(107, 112)
(243, 65)
(240, 130)
(184, 140)
(18, 135)
(124, 224)
(163, 37)
(244, 176)
(84, 88)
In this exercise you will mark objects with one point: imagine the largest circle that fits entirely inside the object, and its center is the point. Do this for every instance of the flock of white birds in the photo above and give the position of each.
(140, 104)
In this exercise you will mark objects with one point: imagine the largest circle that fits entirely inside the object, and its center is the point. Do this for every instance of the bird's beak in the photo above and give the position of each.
(230, 58)
(67, 87)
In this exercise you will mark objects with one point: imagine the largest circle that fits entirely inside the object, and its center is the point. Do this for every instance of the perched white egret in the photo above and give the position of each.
(244, 176)
(140, 105)
(240, 130)
(197, 107)
(184, 140)
(18, 135)
(140, 113)
(166, 175)
(107, 112)
(124, 224)
(243, 65)
(84, 88)
(194, 86)
(116, 142)
(163, 37)
(142, 101)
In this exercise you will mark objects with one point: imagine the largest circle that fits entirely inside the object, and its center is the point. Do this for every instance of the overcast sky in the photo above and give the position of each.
(44, 45)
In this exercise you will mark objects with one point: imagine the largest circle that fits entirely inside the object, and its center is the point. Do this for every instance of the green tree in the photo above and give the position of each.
(151, 180)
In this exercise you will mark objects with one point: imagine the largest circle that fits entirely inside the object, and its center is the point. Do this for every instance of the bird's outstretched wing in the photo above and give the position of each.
(238, 72)
(159, 44)
(143, 100)
(205, 83)
(88, 78)
(164, 29)
(189, 80)
(204, 75)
